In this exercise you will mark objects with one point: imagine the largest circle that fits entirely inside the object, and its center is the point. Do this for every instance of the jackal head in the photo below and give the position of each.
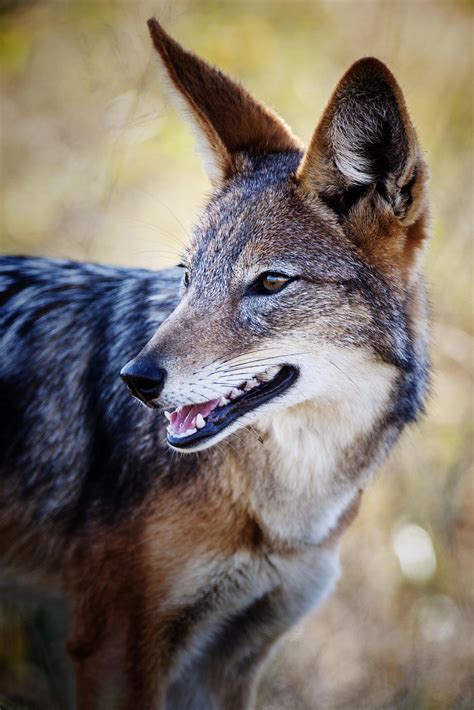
(302, 274)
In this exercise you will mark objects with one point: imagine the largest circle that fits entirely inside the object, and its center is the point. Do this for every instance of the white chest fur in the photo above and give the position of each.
(312, 449)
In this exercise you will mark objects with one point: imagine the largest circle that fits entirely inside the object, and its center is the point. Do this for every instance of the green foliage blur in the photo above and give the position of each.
(95, 165)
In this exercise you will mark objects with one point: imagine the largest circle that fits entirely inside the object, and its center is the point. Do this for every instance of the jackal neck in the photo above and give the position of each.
(316, 456)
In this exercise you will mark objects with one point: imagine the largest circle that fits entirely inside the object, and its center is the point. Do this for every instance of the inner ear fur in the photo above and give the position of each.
(365, 146)
(226, 118)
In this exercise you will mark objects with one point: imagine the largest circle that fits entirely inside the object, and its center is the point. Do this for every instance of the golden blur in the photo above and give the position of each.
(95, 165)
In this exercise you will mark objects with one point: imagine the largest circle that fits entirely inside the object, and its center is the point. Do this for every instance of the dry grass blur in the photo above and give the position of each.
(96, 166)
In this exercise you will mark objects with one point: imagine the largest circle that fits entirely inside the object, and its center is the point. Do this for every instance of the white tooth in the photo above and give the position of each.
(269, 374)
(223, 401)
(200, 421)
(168, 415)
(235, 393)
(250, 384)
(169, 430)
(190, 431)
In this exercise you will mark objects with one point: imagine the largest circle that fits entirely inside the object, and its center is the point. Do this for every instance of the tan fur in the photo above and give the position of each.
(135, 589)
(178, 602)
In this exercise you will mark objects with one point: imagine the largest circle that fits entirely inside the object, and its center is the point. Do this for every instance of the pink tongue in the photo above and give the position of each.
(183, 418)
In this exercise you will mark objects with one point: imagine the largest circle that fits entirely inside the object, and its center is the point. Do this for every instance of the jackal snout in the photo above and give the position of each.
(165, 371)
(144, 377)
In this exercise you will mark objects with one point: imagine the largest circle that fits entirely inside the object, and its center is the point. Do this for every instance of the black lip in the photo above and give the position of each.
(221, 417)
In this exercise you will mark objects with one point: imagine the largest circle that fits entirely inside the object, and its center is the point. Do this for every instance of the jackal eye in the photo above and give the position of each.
(270, 282)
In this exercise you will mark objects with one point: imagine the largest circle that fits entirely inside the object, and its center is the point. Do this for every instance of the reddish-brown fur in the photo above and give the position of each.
(404, 232)
(231, 118)
(137, 585)
(120, 578)
(124, 640)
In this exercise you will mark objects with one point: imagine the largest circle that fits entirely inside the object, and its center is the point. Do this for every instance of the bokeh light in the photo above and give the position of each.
(415, 552)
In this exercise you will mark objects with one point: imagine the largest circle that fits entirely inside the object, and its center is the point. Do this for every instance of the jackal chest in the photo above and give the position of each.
(220, 598)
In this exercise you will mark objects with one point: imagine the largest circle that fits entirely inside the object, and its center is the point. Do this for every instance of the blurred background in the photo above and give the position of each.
(95, 165)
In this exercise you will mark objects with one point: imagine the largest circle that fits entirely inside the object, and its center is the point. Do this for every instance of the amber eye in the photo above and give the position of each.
(270, 282)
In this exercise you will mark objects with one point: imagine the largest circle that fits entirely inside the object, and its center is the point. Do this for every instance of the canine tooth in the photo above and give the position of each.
(190, 431)
(169, 430)
(223, 401)
(200, 421)
(168, 415)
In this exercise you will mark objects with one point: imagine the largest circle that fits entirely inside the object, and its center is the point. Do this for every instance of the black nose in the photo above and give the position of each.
(144, 378)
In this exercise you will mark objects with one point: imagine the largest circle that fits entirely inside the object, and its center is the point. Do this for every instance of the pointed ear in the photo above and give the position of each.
(365, 145)
(225, 118)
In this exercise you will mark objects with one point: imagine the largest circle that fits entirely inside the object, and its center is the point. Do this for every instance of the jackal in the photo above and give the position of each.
(284, 357)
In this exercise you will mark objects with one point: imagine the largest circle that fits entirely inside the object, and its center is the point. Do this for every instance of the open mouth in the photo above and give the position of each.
(194, 423)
